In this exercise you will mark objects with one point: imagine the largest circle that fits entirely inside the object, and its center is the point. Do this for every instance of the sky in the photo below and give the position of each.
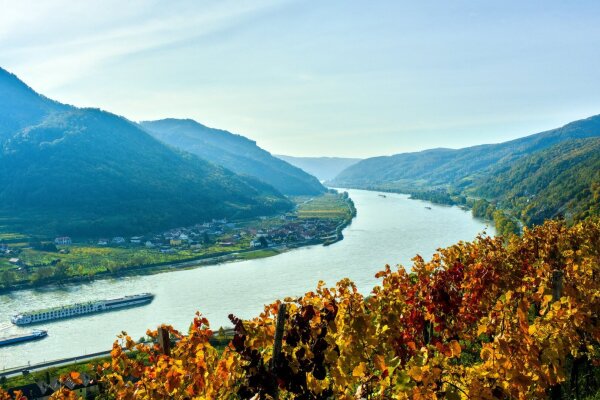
(318, 78)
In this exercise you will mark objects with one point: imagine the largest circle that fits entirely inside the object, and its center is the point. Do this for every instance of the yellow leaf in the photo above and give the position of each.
(481, 329)
(416, 373)
(532, 329)
(359, 370)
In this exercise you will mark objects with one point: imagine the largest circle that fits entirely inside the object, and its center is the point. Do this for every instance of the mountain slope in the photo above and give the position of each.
(324, 168)
(21, 106)
(561, 180)
(460, 167)
(234, 152)
(88, 172)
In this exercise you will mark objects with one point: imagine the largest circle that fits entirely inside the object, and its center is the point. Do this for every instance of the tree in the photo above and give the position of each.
(61, 271)
(505, 226)
(8, 278)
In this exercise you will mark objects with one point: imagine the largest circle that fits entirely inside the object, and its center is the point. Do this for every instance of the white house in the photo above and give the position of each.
(63, 240)
(136, 239)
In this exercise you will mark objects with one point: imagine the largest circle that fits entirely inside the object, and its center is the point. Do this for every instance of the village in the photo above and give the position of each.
(268, 232)
(35, 262)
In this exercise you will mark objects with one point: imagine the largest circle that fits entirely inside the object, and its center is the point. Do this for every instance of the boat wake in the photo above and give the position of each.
(5, 326)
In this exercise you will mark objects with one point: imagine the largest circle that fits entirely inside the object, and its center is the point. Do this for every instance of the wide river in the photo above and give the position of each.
(387, 230)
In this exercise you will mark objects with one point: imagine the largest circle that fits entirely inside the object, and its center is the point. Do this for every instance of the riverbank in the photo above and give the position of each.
(315, 221)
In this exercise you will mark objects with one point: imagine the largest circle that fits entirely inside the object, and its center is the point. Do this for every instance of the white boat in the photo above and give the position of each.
(75, 310)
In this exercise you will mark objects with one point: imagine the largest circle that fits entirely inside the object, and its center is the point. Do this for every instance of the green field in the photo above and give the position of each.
(327, 206)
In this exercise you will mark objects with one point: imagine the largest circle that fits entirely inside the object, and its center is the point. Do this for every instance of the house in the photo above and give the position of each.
(102, 242)
(183, 236)
(85, 387)
(175, 242)
(136, 239)
(3, 247)
(118, 240)
(149, 244)
(63, 240)
(14, 261)
(33, 391)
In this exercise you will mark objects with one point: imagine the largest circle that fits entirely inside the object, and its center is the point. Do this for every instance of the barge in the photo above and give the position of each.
(33, 335)
(75, 310)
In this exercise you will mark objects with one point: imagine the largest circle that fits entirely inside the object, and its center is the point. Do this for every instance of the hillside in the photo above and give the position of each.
(234, 152)
(563, 180)
(20, 106)
(80, 172)
(455, 167)
(324, 168)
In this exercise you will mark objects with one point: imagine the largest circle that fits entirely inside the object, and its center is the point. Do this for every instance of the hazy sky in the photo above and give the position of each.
(343, 78)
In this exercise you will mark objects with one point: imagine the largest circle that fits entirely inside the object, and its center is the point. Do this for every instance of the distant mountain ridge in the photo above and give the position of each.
(324, 168)
(457, 167)
(234, 152)
(66, 170)
(546, 175)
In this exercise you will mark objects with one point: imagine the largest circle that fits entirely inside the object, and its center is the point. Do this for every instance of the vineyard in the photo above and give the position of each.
(488, 319)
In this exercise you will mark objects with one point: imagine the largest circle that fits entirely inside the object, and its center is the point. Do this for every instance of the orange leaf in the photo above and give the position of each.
(455, 348)
(379, 362)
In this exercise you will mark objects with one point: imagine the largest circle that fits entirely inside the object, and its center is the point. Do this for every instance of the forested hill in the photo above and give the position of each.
(455, 167)
(324, 168)
(80, 172)
(234, 152)
(560, 181)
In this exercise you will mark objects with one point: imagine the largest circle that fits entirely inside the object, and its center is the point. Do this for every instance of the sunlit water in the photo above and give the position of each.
(387, 230)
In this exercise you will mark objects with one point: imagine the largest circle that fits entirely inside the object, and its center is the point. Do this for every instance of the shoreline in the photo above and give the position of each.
(192, 263)
(142, 270)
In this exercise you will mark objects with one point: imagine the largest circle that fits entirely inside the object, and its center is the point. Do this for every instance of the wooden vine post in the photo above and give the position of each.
(557, 284)
(164, 341)
(277, 344)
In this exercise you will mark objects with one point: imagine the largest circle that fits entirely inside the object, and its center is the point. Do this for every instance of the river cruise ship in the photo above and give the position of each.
(33, 335)
(75, 310)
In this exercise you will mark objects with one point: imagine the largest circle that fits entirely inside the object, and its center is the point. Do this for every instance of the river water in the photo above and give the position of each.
(387, 230)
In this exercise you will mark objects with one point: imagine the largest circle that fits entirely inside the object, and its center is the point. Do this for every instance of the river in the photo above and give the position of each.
(387, 230)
